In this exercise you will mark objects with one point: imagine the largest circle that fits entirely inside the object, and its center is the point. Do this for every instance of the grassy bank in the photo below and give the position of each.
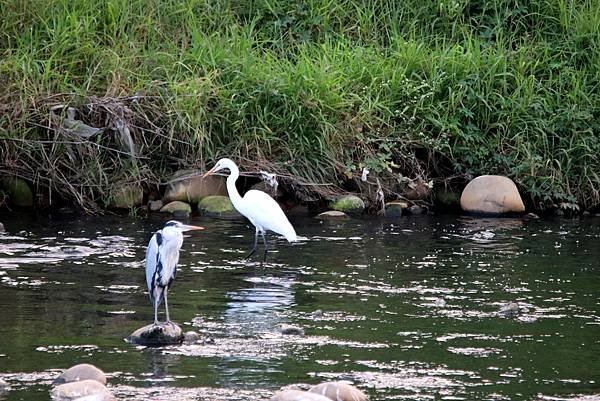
(413, 90)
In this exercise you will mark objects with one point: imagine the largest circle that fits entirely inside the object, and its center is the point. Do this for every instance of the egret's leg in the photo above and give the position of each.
(264, 236)
(167, 308)
(255, 247)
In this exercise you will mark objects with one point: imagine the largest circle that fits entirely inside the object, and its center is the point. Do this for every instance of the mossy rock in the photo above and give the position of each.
(126, 197)
(447, 200)
(350, 204)
(176, 207)
(194, 189)
(18, 192)
(217, 206)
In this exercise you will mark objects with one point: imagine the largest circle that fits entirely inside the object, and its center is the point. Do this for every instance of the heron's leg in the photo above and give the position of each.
(155, 304)
(264, 236)
(167, 307)
(255, 247)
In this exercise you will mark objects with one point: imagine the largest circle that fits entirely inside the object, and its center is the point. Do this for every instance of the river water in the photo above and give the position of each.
(404, 309)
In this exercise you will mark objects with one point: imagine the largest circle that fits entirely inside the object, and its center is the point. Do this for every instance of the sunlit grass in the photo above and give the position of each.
(320, 88)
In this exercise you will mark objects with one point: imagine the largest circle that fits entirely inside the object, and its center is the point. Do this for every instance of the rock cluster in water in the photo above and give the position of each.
(156, 335)
(82, 382)
(337, 391)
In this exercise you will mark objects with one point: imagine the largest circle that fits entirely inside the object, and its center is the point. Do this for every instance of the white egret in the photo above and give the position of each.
(258, 207)
(162, 256)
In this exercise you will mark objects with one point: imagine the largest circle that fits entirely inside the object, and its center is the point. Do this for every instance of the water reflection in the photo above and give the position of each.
(405, 309)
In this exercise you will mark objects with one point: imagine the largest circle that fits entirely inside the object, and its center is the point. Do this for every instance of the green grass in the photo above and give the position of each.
(316, 89)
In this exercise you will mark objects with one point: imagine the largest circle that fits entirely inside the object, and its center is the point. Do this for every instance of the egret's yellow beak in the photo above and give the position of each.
(209, 172)
(190, 228)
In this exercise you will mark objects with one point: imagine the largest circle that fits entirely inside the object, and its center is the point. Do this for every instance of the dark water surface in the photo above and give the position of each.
(409, 308)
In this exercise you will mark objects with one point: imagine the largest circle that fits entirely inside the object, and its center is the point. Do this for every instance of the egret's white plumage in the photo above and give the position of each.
(162, 257)
(262, 210)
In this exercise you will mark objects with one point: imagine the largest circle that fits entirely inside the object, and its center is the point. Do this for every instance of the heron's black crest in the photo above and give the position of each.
(171, 223)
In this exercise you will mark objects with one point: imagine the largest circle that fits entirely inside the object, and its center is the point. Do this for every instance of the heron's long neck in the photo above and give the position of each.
(234, 195)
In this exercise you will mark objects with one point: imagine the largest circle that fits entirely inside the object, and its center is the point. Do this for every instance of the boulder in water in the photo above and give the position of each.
(194, 189)
(395, 208)
(85, 390)
(176, 207)
(350, 204)
(191, 337)
(332, 215)
(339, 391)
(83, 371)
(156, 335)
(297, 395)
(217, 206)
(290, 330)
(18, 191)
(491, 194)
(509, 310)
(155, 205)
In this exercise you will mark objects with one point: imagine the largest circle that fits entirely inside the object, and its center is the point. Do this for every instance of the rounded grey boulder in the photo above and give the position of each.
(85, 390)
(491, 194)
(351, 204)
(332, 214)
(191, 337)
(83, 371)
(154, 335)
(339, 391)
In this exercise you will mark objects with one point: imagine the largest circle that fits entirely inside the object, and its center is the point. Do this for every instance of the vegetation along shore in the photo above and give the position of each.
(423, 95)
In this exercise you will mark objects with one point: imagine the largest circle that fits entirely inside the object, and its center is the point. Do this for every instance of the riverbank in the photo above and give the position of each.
(424, 95)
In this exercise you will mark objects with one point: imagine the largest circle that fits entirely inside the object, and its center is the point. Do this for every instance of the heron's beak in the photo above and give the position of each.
(209, 172)
(190, 228)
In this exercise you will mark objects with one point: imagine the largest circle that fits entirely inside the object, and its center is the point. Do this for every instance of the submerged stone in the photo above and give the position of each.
(298, 395)
(351, 204)
(191, 337)
(491, 194)
(510, 309)
(85, 390)
(157, 335)
(83, 371)
(395, 209)
(176, 206)
(332, 214)
(290, 330)
(126, 197)
(18, 192)
(339, 391)
(217, 206)
(194, 189)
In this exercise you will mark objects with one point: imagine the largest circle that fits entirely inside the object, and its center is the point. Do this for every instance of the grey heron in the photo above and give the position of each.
(162, 256)
(258, 207)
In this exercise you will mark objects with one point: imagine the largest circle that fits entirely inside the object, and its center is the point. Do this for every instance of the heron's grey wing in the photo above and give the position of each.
(152, 260)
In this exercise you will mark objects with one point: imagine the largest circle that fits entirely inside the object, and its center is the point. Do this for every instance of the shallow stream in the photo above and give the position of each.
(405, 309)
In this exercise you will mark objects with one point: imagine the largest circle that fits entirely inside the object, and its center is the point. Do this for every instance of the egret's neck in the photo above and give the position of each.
(234, 195)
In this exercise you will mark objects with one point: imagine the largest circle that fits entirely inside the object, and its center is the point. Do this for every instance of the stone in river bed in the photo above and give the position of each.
(157, 335)
(288, 329)
(155, 205)
(18, 191)
(126, 196)
(491, 194)
(4, 387)
(194, 188)
(83, 371)
(297, 395)
(395, 209)
(217, 206)
(176, 207)
(191, 337)
(332, 214)
(85, 390)
(339, 391)
(509, 310)
(350, 204)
